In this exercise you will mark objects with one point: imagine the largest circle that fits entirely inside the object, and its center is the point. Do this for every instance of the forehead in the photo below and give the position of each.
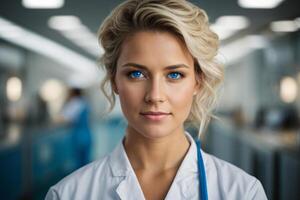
(154, 48)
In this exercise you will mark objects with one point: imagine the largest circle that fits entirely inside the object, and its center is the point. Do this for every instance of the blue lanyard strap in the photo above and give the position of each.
(201, 170)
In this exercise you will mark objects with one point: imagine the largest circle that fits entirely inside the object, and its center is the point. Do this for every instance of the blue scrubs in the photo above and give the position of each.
(81, 137)
(76, 111)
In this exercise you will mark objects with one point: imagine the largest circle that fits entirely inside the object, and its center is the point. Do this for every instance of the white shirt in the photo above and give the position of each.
(113, 178)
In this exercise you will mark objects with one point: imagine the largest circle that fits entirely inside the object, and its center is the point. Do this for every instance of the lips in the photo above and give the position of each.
(154, 113)
(155, 116)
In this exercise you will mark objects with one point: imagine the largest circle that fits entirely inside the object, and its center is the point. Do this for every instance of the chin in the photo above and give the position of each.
(153, 132)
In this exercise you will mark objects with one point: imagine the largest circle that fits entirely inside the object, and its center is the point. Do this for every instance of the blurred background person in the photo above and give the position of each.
(75, 113)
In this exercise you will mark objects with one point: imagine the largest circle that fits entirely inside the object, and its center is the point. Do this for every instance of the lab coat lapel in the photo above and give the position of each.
(128, 187)
(185, 189)
(189, 188)
(186, 184)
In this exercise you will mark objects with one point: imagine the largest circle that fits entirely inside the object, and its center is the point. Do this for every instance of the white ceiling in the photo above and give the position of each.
(92, 12)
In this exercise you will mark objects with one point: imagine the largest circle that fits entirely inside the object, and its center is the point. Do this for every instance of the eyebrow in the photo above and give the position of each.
(145, 68)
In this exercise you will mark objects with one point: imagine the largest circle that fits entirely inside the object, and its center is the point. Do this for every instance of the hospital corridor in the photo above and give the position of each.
(54, 116)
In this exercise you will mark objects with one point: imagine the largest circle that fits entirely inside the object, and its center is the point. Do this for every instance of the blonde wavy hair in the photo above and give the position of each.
(181, 18)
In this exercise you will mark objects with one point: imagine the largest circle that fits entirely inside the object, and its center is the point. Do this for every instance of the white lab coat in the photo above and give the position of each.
(113, 178)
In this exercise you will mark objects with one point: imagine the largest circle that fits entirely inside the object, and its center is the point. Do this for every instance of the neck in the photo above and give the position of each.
(157, 154)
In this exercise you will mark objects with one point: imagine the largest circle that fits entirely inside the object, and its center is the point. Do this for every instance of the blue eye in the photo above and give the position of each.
(135, 74)
(175, 75)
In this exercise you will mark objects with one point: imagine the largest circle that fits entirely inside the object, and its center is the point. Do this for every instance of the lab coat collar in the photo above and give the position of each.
(119, 162)
(184, 184)
(122, 171)
(128, 185)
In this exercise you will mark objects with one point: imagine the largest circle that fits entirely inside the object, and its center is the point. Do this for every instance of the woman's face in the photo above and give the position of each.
(155, 80)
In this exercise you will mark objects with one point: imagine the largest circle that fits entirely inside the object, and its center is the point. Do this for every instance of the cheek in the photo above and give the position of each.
(182, 99)
(130, 97)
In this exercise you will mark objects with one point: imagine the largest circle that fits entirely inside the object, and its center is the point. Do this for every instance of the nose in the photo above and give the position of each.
(155, 92)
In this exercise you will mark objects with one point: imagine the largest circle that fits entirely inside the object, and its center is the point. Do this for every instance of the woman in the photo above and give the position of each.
(159, 59)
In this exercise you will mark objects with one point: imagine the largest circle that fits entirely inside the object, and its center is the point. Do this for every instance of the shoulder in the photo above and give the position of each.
(79, 183)
(87, 172)
(232, 182)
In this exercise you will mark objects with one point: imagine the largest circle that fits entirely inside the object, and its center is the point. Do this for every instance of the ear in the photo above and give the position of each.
(196, 91)
(198, 76)
(198, 83)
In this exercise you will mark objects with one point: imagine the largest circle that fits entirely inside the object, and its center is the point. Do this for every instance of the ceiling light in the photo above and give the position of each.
(79, 35)
(14, 89)
(43, 3)
(259, 4)
(256, 41)
(222, 32)
(52, 90)
(226, 26)
(71, 28)
(84, 67)
(284, 26)
(8, 29)
(64, 23)
(288, 89)
(233, 22)
(233, 52)
(297, 22)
